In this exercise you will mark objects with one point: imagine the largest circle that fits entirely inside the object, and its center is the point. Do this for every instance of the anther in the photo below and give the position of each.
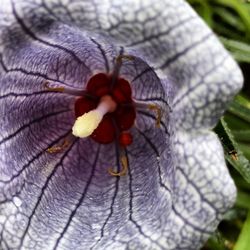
(123, 172)
(53, 89)
(158, 113)
(88, 122)
(58, 149)
(152, 107)
(119, 59)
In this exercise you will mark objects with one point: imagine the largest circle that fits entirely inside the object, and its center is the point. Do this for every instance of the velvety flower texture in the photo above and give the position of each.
(177, 186)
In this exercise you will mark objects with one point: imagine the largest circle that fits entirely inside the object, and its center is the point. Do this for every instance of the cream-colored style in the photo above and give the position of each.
(85, 125)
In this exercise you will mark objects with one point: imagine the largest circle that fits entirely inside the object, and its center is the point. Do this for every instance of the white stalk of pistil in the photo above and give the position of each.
(85, 125)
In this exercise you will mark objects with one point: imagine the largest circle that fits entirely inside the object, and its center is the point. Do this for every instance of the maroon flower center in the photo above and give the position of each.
(114, 124)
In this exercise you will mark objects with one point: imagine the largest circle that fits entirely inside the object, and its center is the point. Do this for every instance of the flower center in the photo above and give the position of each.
(106, 111)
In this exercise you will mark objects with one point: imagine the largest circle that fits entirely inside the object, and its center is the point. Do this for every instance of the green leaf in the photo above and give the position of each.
(240, 50)
(235, 122)
(241, 9)
(243, 100)
(232, 152)
(229, 18)
(204, 10)
(240, 110)
(243, 200)
(241, 135)
(243, 241)
(215, 243)
(233, 214)
(245, 149)
(241, 183)
(229, 32)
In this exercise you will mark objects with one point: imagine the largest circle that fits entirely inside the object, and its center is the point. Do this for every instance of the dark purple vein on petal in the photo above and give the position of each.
(79, 203)
(191, 89)
(2, 63)
(161, 99)
(154, 118)
(33, 36)
(113, 198)
(149, 69)
(32, 73)
(150, 99)
(37, 156)
(51, 13)
(110, 213)
(65, 154)
(187, 222)
(164, 33)
(154, 148)
(2, 240)
(185, 51)
(17, 193)
(197, 189)
(134, 222)
(99, 46)
(32, 122)
(17, 95)
(122, 21)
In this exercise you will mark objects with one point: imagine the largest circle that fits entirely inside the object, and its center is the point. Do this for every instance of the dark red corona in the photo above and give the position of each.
(114, 123)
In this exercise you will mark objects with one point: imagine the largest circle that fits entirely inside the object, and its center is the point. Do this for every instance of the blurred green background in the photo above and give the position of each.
(230, 20)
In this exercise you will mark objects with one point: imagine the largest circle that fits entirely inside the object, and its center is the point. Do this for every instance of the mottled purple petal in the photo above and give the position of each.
(69, 201)
(203, 190)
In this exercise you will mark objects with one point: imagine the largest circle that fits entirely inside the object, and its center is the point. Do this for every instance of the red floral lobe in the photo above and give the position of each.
(125, 139)
(113, 124)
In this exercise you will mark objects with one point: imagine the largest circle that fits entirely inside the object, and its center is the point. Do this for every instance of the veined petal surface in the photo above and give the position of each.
(176, 176)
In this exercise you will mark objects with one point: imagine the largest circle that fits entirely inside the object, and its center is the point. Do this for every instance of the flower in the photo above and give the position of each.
(176, 187)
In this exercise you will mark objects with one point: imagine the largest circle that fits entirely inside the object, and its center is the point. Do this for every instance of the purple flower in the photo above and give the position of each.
(176, 186)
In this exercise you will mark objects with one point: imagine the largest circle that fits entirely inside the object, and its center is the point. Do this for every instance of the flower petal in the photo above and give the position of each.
(69, 201)
(204, 190)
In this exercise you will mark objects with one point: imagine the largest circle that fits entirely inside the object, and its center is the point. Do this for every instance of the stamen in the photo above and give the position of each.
(153, 107)
(88, 122)
(53, 89)
(69, 91)
(122, 57)
(158, 113)
(119, 59)
(124, 162)
(59, 149)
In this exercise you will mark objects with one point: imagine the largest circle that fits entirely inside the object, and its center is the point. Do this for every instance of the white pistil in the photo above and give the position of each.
(88, 122)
